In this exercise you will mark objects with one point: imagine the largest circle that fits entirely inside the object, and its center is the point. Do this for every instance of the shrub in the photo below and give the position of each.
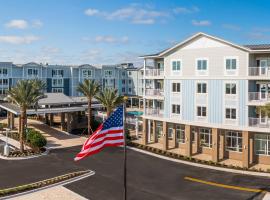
(36, 139)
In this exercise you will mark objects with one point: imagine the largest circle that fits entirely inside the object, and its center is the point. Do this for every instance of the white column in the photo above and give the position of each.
(149, 131)
(137, 127)
(131, 101)
(144, 86)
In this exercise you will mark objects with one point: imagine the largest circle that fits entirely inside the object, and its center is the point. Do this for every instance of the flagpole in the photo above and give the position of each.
(125, 153)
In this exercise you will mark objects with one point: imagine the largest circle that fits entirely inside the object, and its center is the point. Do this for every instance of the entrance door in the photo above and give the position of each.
(263, 67)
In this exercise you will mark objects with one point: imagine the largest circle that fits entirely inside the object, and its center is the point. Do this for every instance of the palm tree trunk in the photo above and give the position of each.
(23, 116)
(109, 111)
(89, 116)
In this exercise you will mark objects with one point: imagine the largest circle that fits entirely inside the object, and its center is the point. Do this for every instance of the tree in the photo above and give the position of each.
(26, 94)
(90, 89)
(265, 109)
(110, 99)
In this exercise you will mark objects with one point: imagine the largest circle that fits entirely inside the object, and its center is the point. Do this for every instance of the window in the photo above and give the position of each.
(180, 133)
(123, 82)
(170, 132)
(230, 113)
(32, 72)
(129, 81)
(233, 141)
(57, 82)
(231, 64)
(87, 73)
(201, 111)
(201, 65)
(205, 137)
(262, 144)
(3, 71)
(108, 72)
(57, 90)
(201, 88)
(175, 109)
(230, 88)
(3, 91)
(129, 90)
(129, 73)
(123, 73)
(57, 73)
(4, 82)
(123, 89)
(176, 65)
(176, 87)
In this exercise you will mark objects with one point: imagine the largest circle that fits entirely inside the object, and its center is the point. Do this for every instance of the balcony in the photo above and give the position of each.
(259, 122)
(259, 71)
(154, 93)
(154, 112)
(154, 73)
(260, 97)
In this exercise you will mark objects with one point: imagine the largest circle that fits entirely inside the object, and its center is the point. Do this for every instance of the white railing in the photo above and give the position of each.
(259, 71)
(154, 92)
(258, 96)
(259, 122)
(156, 112)
(154, 72)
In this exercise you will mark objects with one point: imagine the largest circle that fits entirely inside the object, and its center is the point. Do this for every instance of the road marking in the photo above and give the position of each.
(225, 186)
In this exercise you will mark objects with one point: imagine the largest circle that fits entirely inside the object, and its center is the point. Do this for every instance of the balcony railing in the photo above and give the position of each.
(156, 112)
(259, 71)
(154, 92)
(154, 72)
(259, 122)
(258, 96)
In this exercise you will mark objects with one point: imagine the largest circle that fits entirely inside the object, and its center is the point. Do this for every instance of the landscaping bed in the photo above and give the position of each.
(40, 184)
(191, 159)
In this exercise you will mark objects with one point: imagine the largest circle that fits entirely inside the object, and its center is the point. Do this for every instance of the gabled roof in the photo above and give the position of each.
(200, 34)
(258, 46)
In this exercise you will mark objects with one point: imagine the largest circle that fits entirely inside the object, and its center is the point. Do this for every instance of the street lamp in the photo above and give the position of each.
(6, 147)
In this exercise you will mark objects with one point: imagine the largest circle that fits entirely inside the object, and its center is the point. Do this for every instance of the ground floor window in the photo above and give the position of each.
(193, 134)
(170, 131)
(262, 144)
(205, 137)
(233, 141)
(180, 133)
(57, 90)
(159, 129)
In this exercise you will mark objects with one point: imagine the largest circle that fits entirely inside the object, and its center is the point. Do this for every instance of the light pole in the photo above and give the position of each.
(6, 148)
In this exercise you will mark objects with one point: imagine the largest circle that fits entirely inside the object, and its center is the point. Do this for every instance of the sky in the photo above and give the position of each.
(115, 31)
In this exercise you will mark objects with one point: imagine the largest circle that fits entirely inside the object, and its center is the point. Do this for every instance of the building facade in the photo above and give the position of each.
(65, 78)
(203, 96)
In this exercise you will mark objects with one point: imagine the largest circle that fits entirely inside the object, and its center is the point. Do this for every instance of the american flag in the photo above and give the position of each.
(110, 133)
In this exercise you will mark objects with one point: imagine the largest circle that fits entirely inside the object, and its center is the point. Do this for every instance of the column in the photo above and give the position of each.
(11, 121)
(188, 141)
(246, 144)
(222, 145)
(165, 136)
(46, 118)
(68, 116)
(251, 148)
(62, 121)
(149, 131)
(51, 119)
(174, 137)
(144, 134)
(197, 140)
(154, 132)
(215, 144)
(8, 119)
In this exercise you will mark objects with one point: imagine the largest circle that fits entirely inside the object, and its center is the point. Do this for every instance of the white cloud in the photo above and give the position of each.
(201, 23)
(37, 23)
(134, 14)
(107, 39)
(50, 50)
(185, 10)
(12, 39)
(17, 23)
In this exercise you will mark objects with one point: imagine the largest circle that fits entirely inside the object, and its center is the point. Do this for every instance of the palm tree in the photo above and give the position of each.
(110, 99)
(265, 109)
(89, 88)
(26, 94)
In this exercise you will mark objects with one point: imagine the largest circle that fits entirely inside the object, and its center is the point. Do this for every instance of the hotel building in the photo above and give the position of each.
(202, 97)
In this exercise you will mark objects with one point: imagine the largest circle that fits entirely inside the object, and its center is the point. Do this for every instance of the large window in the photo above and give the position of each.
(57, 90)
(205, 137)
(57, 82)
(233, 141)
(175, 109)
(230, 113)
(176, 65)
(3, 71)
(201, 88)
(262, 144)
(231, 64)
(176, 87)
(201, 111)
(107, 73)
(87, 73)
(230, 88)
(202, 65)
(57, 73)
(180, 133)
(32, 72)
(4, 82)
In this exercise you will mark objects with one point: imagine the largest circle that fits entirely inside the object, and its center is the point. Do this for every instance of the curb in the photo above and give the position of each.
(201, 165)
(26, 157)
(65, 182)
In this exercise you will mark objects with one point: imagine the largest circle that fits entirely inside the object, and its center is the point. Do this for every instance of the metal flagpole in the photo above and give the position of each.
(125, 153)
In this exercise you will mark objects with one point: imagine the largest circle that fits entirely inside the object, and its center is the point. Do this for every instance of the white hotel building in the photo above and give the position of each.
(201, 97)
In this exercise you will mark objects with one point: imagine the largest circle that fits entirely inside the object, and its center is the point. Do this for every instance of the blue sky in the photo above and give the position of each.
(108, 32)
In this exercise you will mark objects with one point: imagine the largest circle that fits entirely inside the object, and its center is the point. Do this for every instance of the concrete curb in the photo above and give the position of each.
(91, 173)
(26, 157)
(201, 165)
